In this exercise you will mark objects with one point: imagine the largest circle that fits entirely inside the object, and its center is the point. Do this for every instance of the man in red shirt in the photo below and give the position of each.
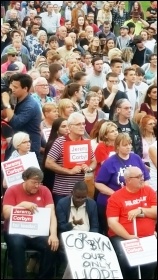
(30, 194)
(135, 200)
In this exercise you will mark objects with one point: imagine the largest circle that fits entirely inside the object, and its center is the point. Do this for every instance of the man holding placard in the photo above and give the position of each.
(70, 157)
(134, 201)
(28, 198)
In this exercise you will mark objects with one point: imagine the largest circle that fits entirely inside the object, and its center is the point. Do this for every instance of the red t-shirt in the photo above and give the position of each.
(122, 201)
(101, 154)
(16, 194)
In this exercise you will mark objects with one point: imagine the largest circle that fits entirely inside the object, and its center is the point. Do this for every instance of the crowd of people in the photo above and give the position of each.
(82, 70)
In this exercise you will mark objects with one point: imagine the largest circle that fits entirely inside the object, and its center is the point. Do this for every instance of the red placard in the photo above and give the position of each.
(76, 153)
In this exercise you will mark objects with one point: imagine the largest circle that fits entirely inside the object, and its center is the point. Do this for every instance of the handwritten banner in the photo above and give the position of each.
(140, 251)
(94, 258)
(23, 222)
(46, 133)
(13, 168)
(76, 153)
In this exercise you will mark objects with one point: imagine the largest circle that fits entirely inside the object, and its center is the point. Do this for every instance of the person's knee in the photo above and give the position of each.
(16, 241)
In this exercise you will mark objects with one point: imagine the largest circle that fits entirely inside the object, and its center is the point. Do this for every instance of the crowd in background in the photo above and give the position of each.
(84, 70)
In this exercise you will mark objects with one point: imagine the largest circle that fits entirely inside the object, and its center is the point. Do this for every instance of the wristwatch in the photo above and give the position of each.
(141, 211)
(7, 106)
(90, 170)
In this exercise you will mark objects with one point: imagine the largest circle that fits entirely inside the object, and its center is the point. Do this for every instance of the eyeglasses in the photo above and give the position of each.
(140, 176)
(43, 85)
(115, 82)
(79, 124)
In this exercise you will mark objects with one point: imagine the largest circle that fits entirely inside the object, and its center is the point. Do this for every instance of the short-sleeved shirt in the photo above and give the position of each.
(112, 170)
(63, 183)
(122, 201)
(152, 11)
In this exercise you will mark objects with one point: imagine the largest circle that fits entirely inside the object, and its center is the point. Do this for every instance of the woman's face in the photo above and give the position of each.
(81, 21)
(58, 74)
(124, 148)
(106, 7)
(28, 22)
(93, 102)
(53, 114)
(74, 71)
(96, 42)
(79, 94)
(136, 6)
(144, 35)
(153, 60)
(43, 37)
(68, 110)
(150, 126)
(153, 94)
(110, 44)
(100, 95)
(112, 133)
(25, 146)
(63, 129)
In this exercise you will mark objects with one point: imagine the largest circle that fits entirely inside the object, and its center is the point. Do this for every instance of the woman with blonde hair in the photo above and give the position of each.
(104, 14)
(126, 56)
(65, 108)
(107, 135)
(114, 53)
(147, 125)
(111, 174)
(94, 46)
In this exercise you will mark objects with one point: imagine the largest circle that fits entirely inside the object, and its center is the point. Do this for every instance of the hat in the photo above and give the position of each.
(135, 14)
(137, 39)
(12, 51)
(124, 27)
(12, 67)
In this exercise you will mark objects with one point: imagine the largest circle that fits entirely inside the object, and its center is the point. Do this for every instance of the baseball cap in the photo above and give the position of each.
(12, 50)
(12, 67)
(124, 27)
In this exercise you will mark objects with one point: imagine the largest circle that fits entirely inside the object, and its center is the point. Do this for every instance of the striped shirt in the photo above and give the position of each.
(63, 183)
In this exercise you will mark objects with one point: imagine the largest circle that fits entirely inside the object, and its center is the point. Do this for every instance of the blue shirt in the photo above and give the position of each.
(27, 118)
(112, 170)
(39, 100)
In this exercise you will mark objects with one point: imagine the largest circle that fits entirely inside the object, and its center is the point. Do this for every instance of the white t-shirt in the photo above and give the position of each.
(150, 44)
(133, 98)
(142, 89)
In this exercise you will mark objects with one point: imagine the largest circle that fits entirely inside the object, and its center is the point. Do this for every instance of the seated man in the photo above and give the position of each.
(30, 194)
(77, 212)
(135, 200)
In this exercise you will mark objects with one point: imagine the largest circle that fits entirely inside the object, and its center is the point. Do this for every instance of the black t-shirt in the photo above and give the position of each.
(125, 128)
(119, 95)
(138, 57)
(153, 12)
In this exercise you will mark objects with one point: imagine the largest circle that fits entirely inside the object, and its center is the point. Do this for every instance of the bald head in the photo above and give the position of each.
(68, 43)
(132, 171)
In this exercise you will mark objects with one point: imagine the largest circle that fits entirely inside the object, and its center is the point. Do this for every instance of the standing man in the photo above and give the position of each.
(97, 78)
(27, 115)
(50, 20)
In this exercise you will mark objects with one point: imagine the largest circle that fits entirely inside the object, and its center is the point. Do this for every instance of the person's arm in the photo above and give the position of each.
(153, 155)
(52, 165)
(93, 216)
(108, 101)
(149, 15)
(63, 224)
(118, 229)
(103, 189)
(53, 239)
(144, 22)
(25, 204)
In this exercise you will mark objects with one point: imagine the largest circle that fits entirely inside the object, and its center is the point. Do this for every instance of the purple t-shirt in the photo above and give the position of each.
(112, 170)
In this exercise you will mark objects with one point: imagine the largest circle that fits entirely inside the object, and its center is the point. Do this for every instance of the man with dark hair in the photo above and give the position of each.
(112, 93)
(141, 53)
(151, 12)
(30, 195)
(27, 115)
(105, 28)
(97, 78)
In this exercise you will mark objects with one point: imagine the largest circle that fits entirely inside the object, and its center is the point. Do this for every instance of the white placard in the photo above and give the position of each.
(140, 251)
(23, 222)
(91, 255)
(13, 168)
(46, 133)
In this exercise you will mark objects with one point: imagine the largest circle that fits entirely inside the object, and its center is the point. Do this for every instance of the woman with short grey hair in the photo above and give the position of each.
(21, 143)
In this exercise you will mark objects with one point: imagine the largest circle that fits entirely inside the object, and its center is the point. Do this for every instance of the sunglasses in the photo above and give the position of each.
(13, 55)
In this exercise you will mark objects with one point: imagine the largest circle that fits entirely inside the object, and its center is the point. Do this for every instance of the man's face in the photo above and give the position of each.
(56, 8)
(16, 36)
(123, 31)
(31, 4)
(12, 57)
(112, 81)
(98, 66)
(79, 5)
(68, 24)
(83, 81)
(50, 8)
(54, 45)
(90, 18)
(17, 6)
(17, 90)
(131, 76)
(13, 14)
(35, 29)
(38, 21)
(32, 185)
(42, 88)
(125, 110)
(79, 197)
(77, 127)
(62, 32)
(69, 45)
(17, 45)
(140, 45)
(151, 33)
(45, 72)
(117, 68)
(106, 28)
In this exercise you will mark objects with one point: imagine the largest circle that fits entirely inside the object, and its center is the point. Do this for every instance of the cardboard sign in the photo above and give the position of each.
(46, 133)
(140, 251)
(23, 222)
(76, 153)
(13, 168)
(91, 255)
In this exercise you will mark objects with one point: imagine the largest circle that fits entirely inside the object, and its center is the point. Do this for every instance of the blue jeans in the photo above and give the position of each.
(128, 272)
(17, 244)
